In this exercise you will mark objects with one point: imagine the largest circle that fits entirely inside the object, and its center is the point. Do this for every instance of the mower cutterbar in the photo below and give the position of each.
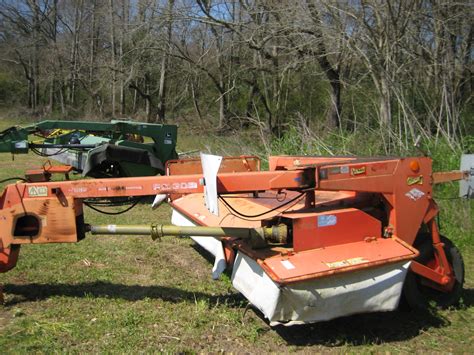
(311, 239)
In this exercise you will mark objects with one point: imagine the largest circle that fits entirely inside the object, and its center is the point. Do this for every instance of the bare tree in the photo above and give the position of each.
(164, 62)
(403, 68)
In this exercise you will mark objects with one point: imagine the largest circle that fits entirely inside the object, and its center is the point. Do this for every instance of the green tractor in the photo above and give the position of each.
(97, 149)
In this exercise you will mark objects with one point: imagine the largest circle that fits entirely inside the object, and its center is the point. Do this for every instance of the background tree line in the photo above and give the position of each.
(398, 69)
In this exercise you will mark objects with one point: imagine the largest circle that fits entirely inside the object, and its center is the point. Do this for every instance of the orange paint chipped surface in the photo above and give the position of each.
(320, 262)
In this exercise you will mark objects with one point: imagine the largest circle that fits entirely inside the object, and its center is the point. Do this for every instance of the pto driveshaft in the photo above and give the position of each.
(258, 237)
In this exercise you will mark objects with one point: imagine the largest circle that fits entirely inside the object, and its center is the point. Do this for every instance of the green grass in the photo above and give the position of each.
(130, 294)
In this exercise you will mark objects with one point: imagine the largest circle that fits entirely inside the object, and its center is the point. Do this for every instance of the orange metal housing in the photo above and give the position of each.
(379, 205)
(323, 229)
(398, 198)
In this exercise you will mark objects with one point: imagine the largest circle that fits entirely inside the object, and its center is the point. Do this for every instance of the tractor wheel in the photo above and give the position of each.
(420, 296)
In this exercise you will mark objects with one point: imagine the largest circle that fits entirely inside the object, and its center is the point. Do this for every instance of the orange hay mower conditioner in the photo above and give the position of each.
(311, 239)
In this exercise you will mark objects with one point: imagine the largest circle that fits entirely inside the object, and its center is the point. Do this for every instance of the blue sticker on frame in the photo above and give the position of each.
(327, 220)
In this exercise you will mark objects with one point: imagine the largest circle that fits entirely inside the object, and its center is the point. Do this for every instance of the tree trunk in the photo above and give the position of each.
(74, 51)
(148, 103)
(52, 85)
(223, 106)
(385, 106)
(332, 71)
(125, 21)
(113, 54)
(92, 44)
(161, 111)
(164, 63)
(224, 123)
(135, 100)
(195, 101)
(335, 108)
(34, 62)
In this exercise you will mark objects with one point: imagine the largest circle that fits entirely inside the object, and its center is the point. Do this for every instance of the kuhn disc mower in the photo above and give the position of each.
(311, 239)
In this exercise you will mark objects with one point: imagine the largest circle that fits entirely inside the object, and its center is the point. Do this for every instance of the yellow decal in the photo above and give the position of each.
(347, 262)
(358, 171)
(37, 191)
(415, 180)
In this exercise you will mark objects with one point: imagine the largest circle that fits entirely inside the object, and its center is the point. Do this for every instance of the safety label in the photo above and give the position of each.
(287, 264)
(415, 194)
(327, 220)
(37, 191)
(358, 170)
(346, 262)
(133, 187)
(78, 190)
(175, 186)
(415, 180)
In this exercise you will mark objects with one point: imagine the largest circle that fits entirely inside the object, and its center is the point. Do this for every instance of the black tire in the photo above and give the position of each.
(419, 296)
